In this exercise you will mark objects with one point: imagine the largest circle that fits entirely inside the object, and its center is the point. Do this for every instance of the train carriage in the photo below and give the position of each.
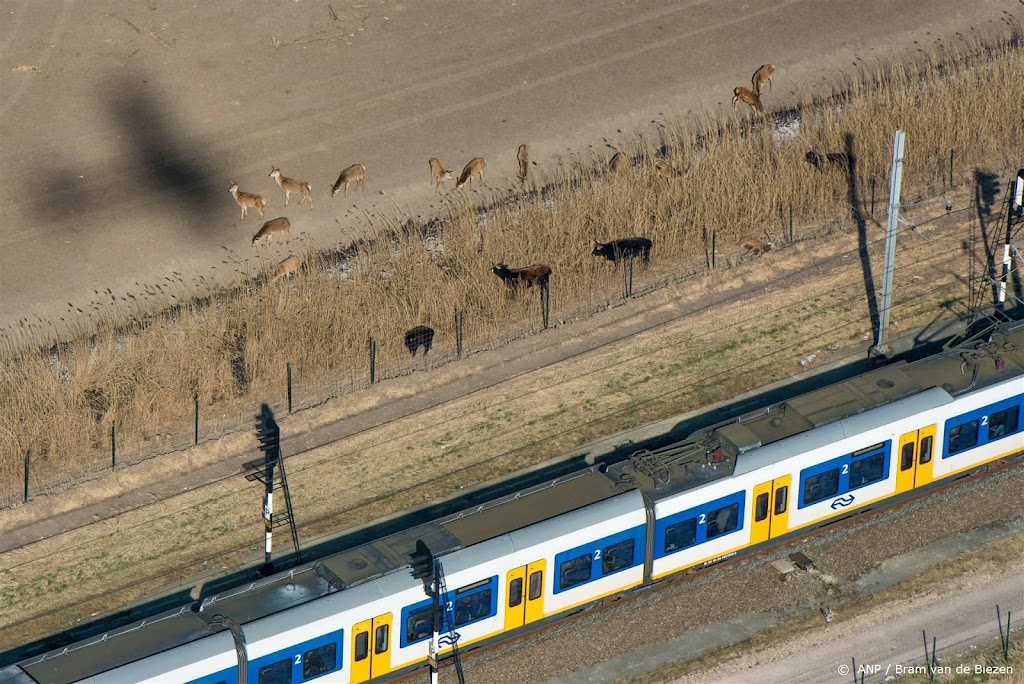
(531, 557)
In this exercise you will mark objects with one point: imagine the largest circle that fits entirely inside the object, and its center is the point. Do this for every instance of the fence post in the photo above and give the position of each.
(29, 453)
(196, 440)
(289, 388)
(113, 445)
(1004, 637)
(458, 331)
(872, 197)
(791, 220)
(373, 361)
(951, 168)
(629, 278)
(545, 304)
(714, 247)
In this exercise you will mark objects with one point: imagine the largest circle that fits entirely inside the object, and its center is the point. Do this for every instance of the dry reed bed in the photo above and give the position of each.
(232, 350)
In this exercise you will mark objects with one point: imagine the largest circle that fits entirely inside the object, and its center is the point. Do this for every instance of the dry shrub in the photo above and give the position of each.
(741, 178)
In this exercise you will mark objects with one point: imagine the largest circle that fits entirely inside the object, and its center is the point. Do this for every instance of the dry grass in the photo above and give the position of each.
(231, 349)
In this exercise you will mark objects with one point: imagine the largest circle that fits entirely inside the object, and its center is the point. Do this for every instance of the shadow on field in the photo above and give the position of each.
(857, 207)
(986, 190)
(156, 164)
(924, 344)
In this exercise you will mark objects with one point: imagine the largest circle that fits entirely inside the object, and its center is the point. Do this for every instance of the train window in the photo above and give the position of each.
(781, 496)
(574, 571)
(680, 535)
(617, 557)
(907, 456)
(963, 436)
(419, 625)
(536, 584)
(319, 660)
(1002, 423)
(926, 449)
(761, 507)
(864, 471)
(515, 592)
(277, 673)
(723, 520)
(362, 648)
(821, 486)
(380, 640)
(472, 608)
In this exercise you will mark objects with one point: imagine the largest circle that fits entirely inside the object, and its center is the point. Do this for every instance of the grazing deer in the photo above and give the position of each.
(513, 277)
(764, 73)
(666, 170)
(278, 225)
(285, 268)
(438, 172)
(753, 245)
(751, 98)
(618, 163)
(290, 185)
(353, 174)
(476, 166)
(247, 199)
(524, 162)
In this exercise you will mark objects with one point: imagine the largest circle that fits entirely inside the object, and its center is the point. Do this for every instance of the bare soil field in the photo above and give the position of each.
(124, 124)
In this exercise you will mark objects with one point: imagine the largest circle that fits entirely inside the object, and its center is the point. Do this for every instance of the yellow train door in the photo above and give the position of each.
(906, 459)
(371, 648)
(760, 515)
(770, 515)
(914, 464)
(535, 591)
(925, 452)
(515, 602)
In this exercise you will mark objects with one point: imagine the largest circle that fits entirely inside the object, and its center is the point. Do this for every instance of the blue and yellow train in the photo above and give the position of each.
(523, 560)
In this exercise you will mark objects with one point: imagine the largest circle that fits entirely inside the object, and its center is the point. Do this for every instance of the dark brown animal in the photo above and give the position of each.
(624, 248)
(538, 274)
(420, 336)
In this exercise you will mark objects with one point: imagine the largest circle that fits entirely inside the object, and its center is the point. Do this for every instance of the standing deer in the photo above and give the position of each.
(285, 268)
(247, 199)
(353, 174)
(476, 166)
(764, 73)
(290, 185)
(438, 172)
(618, 163)
(751, 98)
(275, 226)
(524, 162)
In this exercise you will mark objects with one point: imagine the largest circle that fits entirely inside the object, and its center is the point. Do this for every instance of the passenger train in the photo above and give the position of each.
(520, 561)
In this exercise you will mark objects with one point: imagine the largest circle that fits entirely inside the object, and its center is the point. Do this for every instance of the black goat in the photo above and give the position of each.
(623, 249)
(421, 335)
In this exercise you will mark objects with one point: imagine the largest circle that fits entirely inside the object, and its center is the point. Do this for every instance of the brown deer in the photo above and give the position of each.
(275, 226)
(247, 199)
(618, 163)
(763, 74)
(523, 156)
(290, 185)
(438, 172)
(285, 268)
(353, 174)
(477, 167)
(666, 170)
(753, 245)
(740, 93)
